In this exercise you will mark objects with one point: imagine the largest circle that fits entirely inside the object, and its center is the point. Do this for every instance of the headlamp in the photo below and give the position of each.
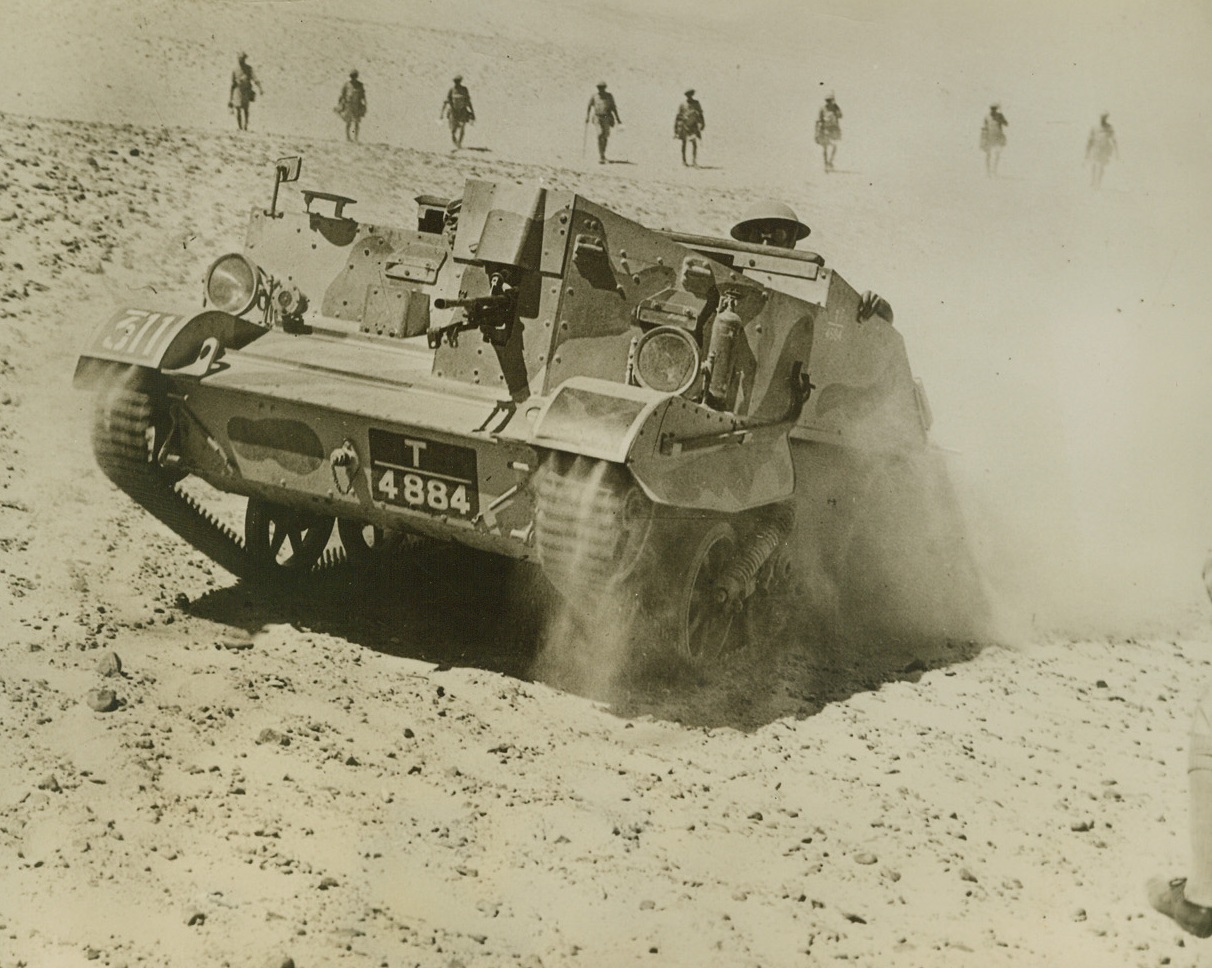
(666, 359)
(233, 284)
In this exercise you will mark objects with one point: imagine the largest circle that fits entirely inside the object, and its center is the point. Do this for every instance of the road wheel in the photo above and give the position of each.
(364, 544)
(766, 611)
(702, 625)
(283, 539)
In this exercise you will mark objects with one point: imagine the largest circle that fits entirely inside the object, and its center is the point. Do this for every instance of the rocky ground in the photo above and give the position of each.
(198, 771)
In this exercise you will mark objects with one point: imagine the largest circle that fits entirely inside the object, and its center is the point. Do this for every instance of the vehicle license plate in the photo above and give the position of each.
(425, 475)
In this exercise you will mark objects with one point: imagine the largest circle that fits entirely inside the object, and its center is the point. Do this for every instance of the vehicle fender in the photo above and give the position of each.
(710, 460)
(598, 418)
(681, 453)
(156, 340)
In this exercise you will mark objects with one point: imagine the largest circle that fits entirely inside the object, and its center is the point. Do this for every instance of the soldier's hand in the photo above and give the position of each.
(873, 304)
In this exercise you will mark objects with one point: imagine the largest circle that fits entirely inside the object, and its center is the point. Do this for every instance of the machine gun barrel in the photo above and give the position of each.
(476, 304)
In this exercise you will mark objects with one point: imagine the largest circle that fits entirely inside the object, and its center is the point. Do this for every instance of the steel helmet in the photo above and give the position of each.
(769, 210)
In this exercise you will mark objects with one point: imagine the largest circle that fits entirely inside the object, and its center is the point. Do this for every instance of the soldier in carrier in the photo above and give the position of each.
(457, 111)
(770, 223)
(775, 224)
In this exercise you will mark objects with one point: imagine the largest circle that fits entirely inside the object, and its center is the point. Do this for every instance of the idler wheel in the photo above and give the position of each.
(635, 526)
(283, 539)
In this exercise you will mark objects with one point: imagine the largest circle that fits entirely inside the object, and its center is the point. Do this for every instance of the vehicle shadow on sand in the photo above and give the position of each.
(453, 607)
(447, 606)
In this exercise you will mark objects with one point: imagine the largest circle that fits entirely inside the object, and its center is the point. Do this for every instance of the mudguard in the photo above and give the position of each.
(157, 340)
(681, 453)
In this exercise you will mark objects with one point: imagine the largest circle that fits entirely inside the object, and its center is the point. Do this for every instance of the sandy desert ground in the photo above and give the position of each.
(379, 776)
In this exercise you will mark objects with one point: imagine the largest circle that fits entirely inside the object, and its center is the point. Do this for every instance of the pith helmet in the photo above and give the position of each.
(458, 78)
(601, 85)
(690, 92)
(769, 210)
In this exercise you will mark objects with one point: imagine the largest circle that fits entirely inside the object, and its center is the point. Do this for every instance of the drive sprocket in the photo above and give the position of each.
(592, 523)
(130, 426)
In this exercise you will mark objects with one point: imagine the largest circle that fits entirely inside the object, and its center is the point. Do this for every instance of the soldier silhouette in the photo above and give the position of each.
(993, 138)
(457, 111)
(1101, 147)
(351, 105)
(244, 88)
(828, 130)
(688, 126)
(605, 114)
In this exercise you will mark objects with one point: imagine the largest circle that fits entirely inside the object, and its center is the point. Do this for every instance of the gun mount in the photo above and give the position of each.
(493, 315)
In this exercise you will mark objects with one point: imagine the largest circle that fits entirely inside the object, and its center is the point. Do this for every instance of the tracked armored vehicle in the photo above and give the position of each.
(690, 424)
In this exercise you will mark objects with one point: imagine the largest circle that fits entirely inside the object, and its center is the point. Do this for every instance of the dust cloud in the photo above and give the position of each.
(586, 647)
(1078, 414)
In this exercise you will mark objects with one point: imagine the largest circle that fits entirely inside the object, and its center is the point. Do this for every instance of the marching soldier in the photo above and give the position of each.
(457, 110)
(1101, 147)
(351, 105)
(688, 126)
(828, 130)
(244, 88)
(605, 114)
(993, 138)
